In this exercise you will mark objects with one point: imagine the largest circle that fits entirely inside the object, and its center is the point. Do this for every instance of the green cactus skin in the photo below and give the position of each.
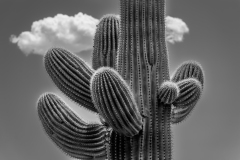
(75, 137)
(119, 110)
(140, 87)
(168, 92)
(106, 42)
(71, 75)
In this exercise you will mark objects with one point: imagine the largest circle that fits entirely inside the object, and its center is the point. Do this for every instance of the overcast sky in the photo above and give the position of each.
(211, 132)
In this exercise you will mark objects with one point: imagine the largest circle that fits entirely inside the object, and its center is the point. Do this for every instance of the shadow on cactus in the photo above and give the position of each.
(128, 85)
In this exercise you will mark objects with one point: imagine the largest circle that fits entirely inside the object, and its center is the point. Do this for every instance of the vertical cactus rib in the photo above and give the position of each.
(168, 92)
(165, 136)
(75, 137)
(106, 42)
(163, 46)
(115, 102)
(117, 146)
(190, 92)
(71, 75)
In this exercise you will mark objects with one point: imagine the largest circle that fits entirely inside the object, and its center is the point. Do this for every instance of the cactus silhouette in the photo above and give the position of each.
(131, 90)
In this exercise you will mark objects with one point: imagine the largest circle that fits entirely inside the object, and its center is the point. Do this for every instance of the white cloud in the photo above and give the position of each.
(175, 29)
(74, 33)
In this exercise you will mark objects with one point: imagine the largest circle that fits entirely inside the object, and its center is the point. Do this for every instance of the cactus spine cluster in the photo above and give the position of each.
(129, 87)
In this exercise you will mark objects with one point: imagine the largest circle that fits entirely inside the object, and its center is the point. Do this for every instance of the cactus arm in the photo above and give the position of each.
(189, 69)
(71, 75)
(168, 92)
(75, 137)
(190, 92)
(106, 42)
(190, 80)
(115, 102)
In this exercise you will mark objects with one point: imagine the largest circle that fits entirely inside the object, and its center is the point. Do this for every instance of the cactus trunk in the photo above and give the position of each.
(143, 62)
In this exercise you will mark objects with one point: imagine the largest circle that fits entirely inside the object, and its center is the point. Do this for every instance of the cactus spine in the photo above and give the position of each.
(136, 99)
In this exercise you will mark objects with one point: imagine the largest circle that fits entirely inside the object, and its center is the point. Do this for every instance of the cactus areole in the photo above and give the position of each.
(131, 91)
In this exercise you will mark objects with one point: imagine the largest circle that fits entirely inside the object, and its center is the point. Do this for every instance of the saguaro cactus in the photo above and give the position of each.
(135, 97)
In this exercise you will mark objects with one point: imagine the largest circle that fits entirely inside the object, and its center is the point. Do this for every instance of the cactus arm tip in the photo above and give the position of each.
(114, 101)
(71, 75)
(168, 92)
(106, 42)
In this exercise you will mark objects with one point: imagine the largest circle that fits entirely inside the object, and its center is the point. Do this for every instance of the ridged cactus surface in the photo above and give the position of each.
(106, 42)
(68, 131)
(168, 92)
(120, 109)
(129, 87)
(71, 75)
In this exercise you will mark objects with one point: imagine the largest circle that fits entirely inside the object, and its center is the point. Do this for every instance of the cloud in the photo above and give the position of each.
(74, 33)
(175, 29)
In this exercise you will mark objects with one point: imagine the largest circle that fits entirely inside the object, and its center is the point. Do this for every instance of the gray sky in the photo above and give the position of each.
(211, 132)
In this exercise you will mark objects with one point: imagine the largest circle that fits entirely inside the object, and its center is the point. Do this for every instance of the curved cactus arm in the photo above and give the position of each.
(190, 92)
(168, 92)
(71, 74)
(190, 79)
(115, 102)
(106, 42)
(189, 69)
(75, 137)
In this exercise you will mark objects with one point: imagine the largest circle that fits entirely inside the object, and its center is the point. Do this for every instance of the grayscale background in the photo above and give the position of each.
(211, 132)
